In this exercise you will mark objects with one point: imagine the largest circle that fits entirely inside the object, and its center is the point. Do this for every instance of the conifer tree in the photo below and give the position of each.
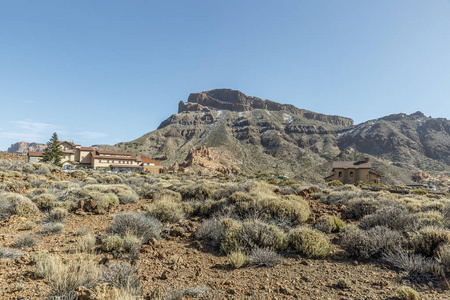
(53, 153)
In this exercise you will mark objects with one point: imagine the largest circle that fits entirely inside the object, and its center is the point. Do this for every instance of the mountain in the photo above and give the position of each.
(24, 147)
(262, 135)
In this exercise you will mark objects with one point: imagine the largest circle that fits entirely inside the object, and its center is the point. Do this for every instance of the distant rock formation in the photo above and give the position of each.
(24, 147)
(201, 161)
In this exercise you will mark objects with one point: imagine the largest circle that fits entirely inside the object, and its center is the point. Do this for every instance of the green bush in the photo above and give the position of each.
(236, 259)
(15, 204)
(58, 214)
(309, 242)
(407, 293)
(335, 183)
(329, 224)
(259, 234)
(288, 208)
(166, 210)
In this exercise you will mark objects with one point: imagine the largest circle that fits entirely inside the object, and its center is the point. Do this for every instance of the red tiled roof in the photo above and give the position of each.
(34, 153)
(86, 149)
(147, 160)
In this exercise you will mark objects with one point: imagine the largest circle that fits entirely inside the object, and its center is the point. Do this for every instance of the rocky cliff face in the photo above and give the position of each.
(226, 99)
(24, 147)
(261, 135)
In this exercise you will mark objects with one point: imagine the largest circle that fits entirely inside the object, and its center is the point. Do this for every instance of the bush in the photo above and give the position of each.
(414, 264)
(259, 234)
(335, 183)
(86, 243)
(392, 217)
(292, 209)
(44, 201)
(359, 208)
(344, 283)
(309, 242)
(166, 210)
(124, 277)
(419, 192)
(58, 214)
(46, 265)
(236, 259)
(407, 293)
(370, 243)
(112, 243)
(264, 257)
(53, 228)
(25, 241)
(9, 253)
(329, 224)
(137, 224)
(132, 244)
(443, 256)
(11, 204)
(427, 240)
(29, 225)
(211, 231)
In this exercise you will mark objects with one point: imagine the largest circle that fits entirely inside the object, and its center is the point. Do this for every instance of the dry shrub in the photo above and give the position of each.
(112, 179)
(264, 257)
(46, 265)
(53, 228)
(104, 200)
(371, 243)
(443, 256)
(124, 277)
(167, 210)
(335, 183)
(78, 174)
(341, 197)
(58, 214)
(414, 264)
(231, 229)
(132, 244)
(112, 243)
(407, 293)
(74, 273)
(10, 254)
(25, 241)
(309, 242)
(361, 207)
(428, 239)
(44, 201)
(328, 224)
(140, 225)
(256, 233)
(123, 193)
(210, 231)
(289, 208)
(236, 259)
(430, 218)
(86, 243)
(393, 217)
(11, 204)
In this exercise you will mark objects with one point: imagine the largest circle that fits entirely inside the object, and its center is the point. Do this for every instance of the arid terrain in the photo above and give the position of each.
(98, 235)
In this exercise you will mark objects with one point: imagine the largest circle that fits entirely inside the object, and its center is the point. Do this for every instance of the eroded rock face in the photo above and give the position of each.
(24, 147)
(201, 161)
(227, 99)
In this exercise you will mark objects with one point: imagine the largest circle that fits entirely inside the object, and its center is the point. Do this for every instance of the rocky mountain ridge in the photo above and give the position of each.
(24, 147)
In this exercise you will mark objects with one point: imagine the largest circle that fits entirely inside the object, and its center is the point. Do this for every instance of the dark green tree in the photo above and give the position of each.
(53, 153)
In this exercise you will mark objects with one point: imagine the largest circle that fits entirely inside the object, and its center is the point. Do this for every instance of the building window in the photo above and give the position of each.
(99, 160)
(340, 174)
(64, 156)
(351, 173)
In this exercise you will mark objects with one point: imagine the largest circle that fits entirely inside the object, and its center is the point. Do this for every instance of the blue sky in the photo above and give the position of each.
(110, 71)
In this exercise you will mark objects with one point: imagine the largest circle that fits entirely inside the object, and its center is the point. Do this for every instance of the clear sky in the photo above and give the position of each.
(107, 71)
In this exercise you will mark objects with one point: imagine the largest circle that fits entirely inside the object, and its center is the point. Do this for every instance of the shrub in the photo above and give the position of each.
(309, 242)
(264, 257)
(11, 203)
(289, 208)
(86, 243)
(359, 208)
(137, 224)
(392, 217)
(414, 264)
(29, 225)
(44, 201)
(256, 233)
(112, 243)
(53, 228)
(73, 274)
(25, 241)
(58, 214)
(370, 243)
(419, 192)
(329, 224)
(211, 231)
(236, 259)
(344, 283)
(123, 276)
(443, 256)
(166, 210)
(132, 244)
(427, 240)
(335, 183)
(46, 265)
(407, 293)
(127, 196)
(9, 253)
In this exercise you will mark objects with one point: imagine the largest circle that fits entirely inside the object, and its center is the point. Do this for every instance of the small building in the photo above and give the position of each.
(350, 172)
(34, 157)
(150, 165)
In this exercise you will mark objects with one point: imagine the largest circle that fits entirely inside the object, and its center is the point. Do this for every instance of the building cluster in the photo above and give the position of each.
(75, 156)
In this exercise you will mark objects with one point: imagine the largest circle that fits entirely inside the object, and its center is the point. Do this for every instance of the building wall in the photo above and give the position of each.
(374, 178)
(353, 175)
(34, 159)
(153, 169)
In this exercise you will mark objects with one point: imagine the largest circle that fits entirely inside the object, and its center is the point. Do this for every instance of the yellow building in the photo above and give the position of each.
(350, 172)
